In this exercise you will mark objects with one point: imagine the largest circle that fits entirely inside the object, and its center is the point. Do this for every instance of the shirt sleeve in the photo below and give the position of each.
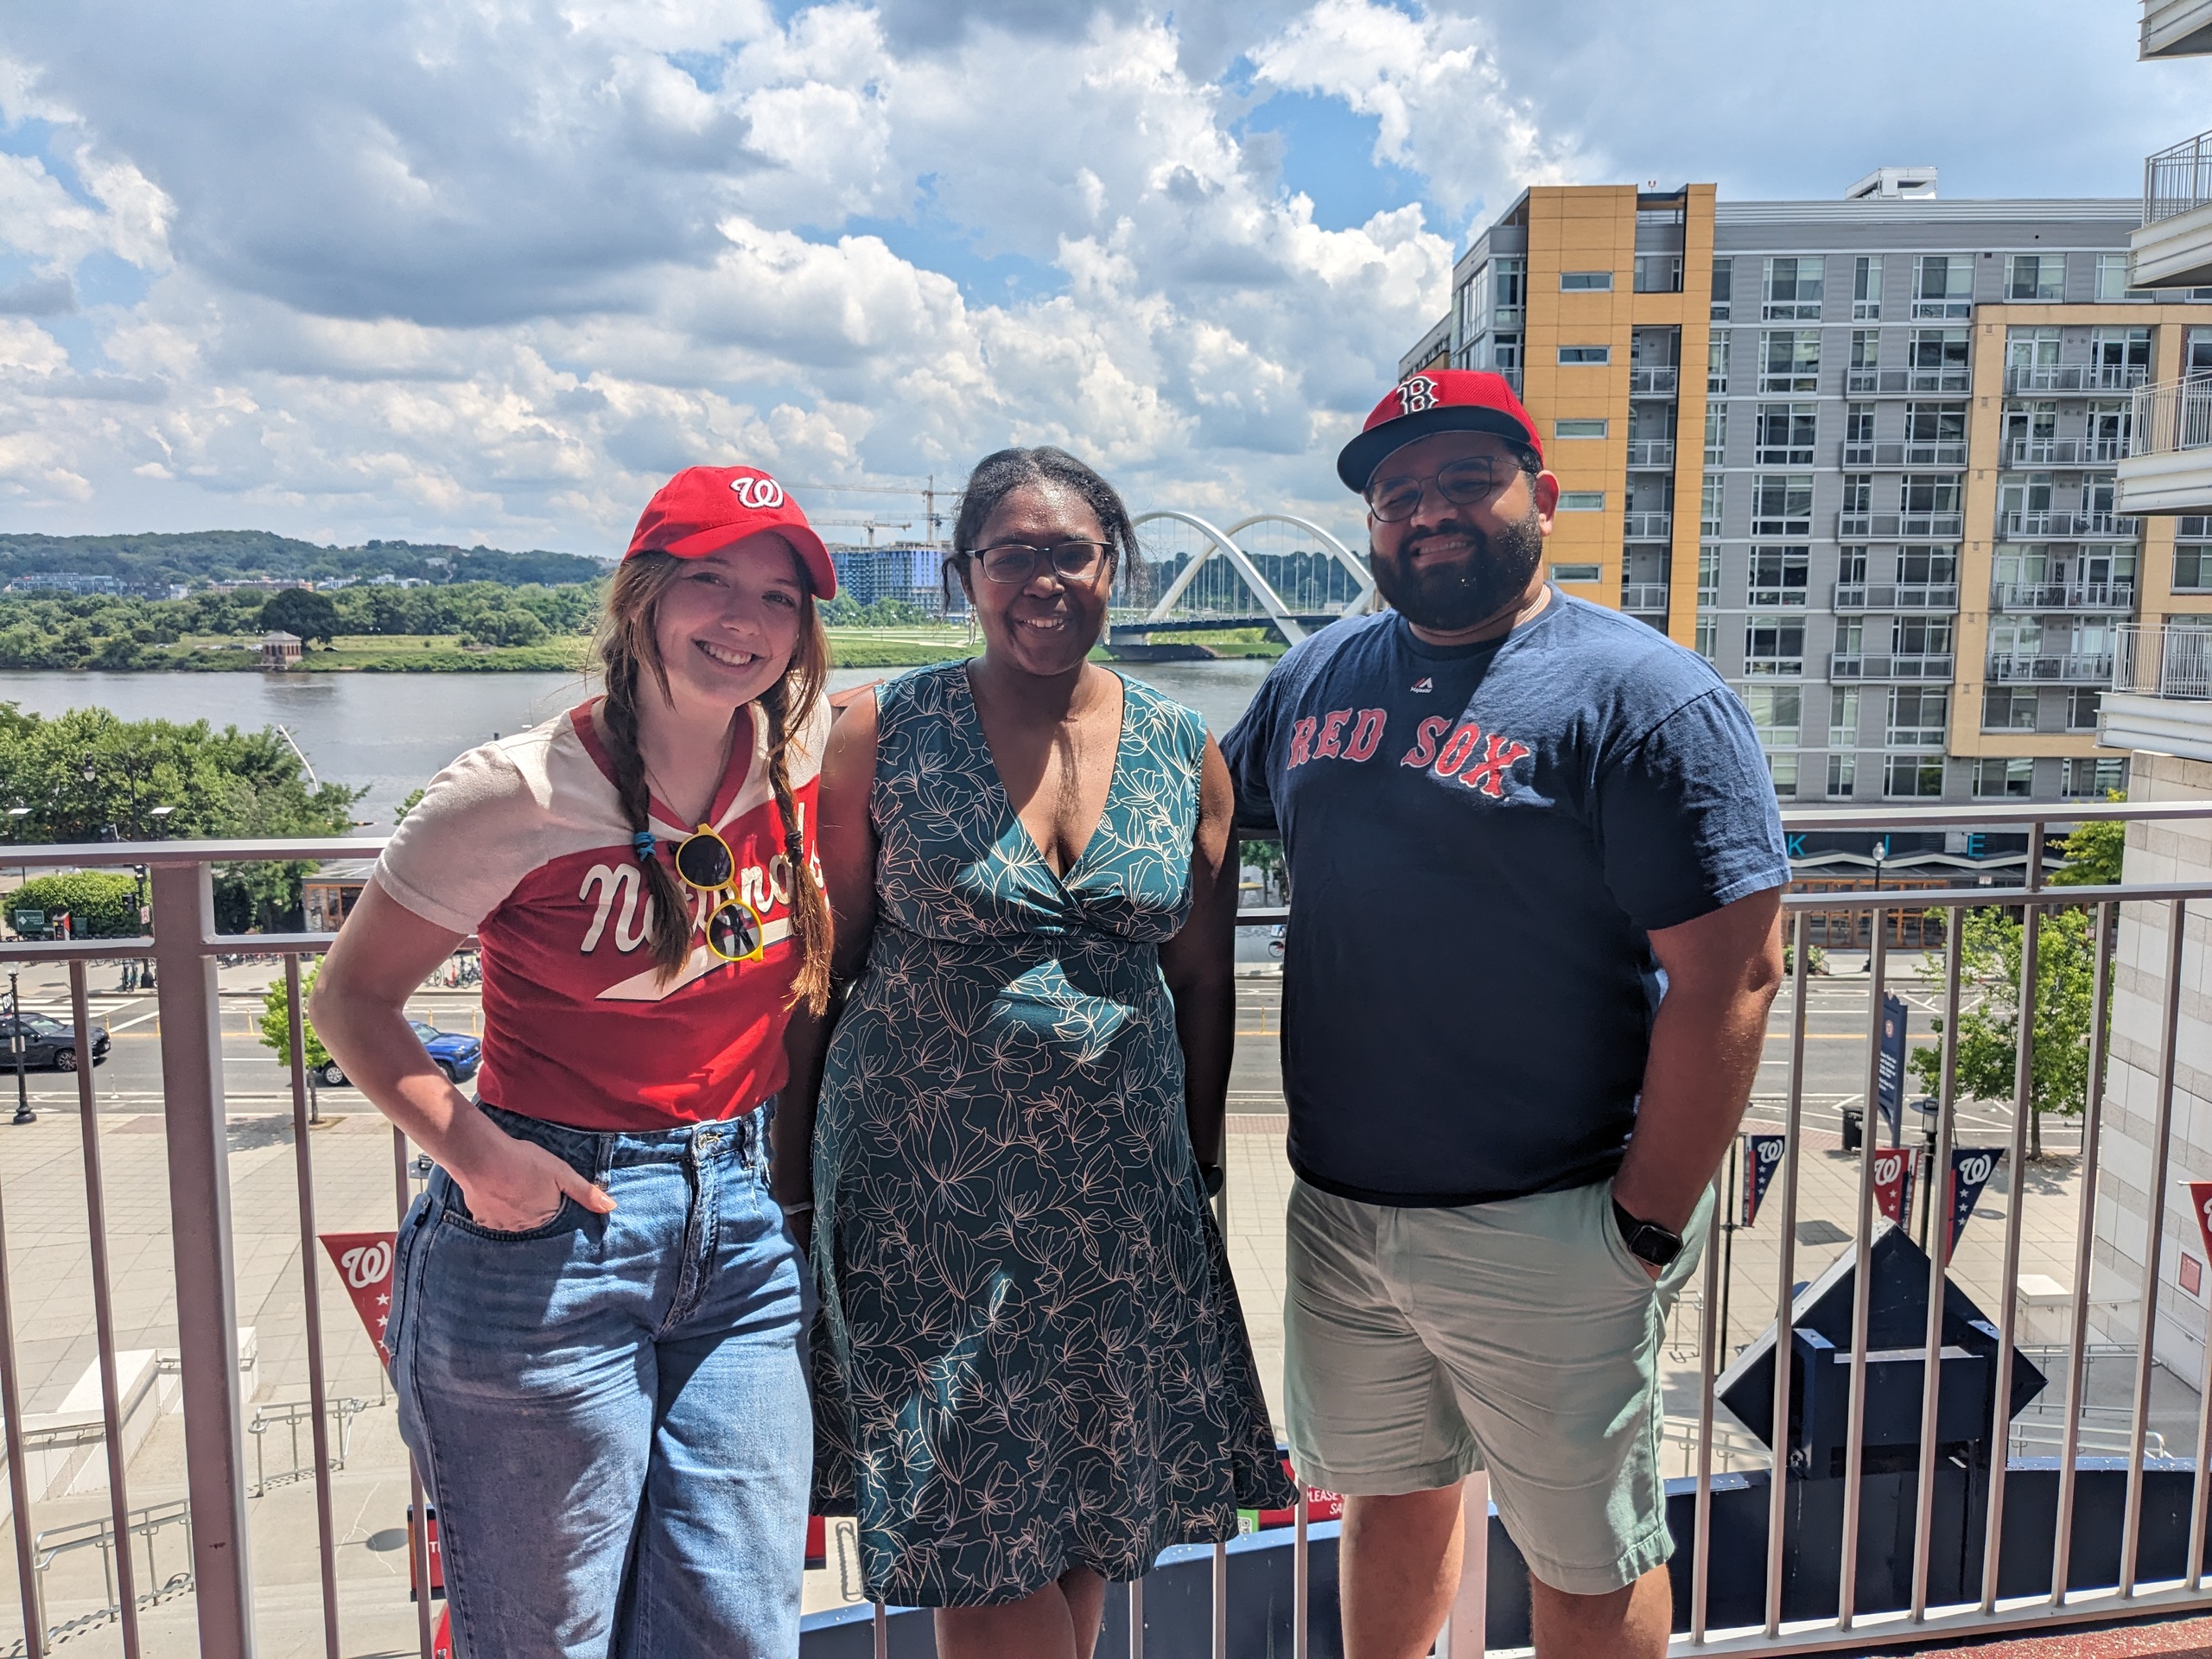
(1247, 749)
(1688, 817)
(467, 844)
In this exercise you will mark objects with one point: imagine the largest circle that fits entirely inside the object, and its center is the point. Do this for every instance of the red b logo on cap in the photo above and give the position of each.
(1416, 394)
(762, 494)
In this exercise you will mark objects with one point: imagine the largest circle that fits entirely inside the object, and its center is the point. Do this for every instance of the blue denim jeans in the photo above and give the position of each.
(610, 1412)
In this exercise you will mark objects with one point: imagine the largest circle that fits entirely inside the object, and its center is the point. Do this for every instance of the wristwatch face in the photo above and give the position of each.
(1654, 1243)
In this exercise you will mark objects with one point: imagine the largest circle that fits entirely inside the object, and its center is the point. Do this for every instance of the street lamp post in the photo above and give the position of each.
(161, 818)
(23, 1113)
(1881, 852)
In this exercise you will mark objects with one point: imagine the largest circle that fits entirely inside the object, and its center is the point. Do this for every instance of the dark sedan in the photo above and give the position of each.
(47, 1042)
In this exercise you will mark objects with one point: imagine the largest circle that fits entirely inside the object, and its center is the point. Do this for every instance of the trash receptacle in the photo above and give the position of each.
(1854, 1125)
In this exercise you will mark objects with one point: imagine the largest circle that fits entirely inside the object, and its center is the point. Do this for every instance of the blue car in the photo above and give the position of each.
(456, 1053)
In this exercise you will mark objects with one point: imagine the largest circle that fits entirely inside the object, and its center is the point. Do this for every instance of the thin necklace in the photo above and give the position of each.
(729, 747)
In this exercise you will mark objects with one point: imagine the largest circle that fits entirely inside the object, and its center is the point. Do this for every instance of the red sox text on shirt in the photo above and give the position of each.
(1479, 759)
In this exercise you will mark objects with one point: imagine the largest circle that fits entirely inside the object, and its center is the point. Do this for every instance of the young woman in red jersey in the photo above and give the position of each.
(598, 1322)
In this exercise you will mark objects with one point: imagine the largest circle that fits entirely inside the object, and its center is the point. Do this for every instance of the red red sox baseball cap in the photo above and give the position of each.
(702, 508)
(1435, 400)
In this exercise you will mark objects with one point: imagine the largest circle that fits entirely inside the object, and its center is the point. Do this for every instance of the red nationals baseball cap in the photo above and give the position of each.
(702, 508)
(1435, 400)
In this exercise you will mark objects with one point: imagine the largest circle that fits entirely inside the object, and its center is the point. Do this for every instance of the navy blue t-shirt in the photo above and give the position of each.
(1479, 839)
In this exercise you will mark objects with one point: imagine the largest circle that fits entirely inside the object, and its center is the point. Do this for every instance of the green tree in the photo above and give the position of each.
(302, 611)
(1991, 946)
(2093, 853)
(277, 1022)
(414, 799)
(509, 625)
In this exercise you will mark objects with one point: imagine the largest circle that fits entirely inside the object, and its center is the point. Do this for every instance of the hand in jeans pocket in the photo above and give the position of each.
(512, 1185)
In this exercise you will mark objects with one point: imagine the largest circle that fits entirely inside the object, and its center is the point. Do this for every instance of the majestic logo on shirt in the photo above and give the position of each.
(1479, 759)
(1424, 683)
(762, 493)
(1416, 393)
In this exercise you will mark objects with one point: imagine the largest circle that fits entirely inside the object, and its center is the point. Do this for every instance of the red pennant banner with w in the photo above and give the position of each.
(2200, 1199)
(1893, 1184)
(363, 1262)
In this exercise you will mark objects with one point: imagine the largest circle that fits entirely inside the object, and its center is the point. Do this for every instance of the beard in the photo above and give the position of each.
(1448, 597)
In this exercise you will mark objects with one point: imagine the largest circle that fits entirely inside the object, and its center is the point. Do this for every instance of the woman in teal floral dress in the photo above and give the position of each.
(1036, 1375)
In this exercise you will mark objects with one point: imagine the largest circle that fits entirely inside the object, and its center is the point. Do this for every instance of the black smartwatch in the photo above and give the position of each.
(1647, 1241)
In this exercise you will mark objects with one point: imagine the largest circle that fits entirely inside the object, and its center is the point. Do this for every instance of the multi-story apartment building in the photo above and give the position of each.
(1859, 452)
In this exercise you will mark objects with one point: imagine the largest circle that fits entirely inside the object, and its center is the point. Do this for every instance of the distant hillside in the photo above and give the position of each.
(154, 562)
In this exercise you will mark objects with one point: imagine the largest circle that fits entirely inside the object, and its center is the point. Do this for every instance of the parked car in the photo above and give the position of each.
(457, 1054)
(48, 1042)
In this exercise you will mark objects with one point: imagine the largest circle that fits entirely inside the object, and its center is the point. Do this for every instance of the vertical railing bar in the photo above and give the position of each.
(2203, 1455)
(2008, 1314)
(1136, 1618)
(879, 1631)
(19, 1491)
(1221, 1601)
(311, 1295)
(2131, 1523)
(2084, 1244)
(1702, 1526)
(1300, 1570)
(118, 1486)
(418, 1541)
(1854, 1442)
(1785, 1299)
(1939, 1251)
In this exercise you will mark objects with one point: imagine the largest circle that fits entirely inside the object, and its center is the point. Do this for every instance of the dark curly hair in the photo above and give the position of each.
(1000, 473)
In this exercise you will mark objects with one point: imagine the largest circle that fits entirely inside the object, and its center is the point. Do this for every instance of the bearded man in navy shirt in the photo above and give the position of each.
(1535, 865)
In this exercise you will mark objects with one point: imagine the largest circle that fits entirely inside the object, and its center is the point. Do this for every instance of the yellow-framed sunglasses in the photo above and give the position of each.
(734, 930)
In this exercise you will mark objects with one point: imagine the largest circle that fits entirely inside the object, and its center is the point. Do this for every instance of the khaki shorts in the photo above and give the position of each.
(1519, 1337)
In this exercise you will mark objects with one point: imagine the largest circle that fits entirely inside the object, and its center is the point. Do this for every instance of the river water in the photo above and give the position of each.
(389, 733)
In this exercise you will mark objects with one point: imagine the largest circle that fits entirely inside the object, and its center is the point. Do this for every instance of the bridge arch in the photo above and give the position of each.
(1221, 544)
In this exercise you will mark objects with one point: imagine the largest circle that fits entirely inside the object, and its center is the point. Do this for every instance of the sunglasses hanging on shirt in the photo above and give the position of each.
(734, 930)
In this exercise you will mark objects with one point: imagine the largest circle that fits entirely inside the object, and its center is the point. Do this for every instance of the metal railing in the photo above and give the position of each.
(2177, 180)
(2055, 668)
(1900, 382)
(1897, 596)
(1644, 596)
(2163, 661)
(195, 1160)
(1647, 526)
(1653, 382)
(2065, 524)
(2075, 377)
(1848, 666)
(2171, 416)
(1648, 452)
(2062, 595)
(1885, 526)
(1902, 454)
(2063, 452)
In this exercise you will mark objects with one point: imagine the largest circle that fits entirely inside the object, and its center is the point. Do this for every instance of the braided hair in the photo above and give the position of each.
(627, 651)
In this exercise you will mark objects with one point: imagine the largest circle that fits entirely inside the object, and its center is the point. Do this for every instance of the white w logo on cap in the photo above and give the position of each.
(1416, 394)
(762, 493)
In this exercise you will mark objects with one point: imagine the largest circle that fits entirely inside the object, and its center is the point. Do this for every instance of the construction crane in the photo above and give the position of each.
(927, 490)
(871, 525)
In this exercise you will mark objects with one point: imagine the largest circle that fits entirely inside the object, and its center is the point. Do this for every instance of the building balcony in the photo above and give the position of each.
(1887, 596)
(2157, 660)
(2168, 468)
(1901, 453)
(1893, 526)
(2044, 378)
(1644, 598)
(2063, 452)
(2174, 247)
(1648, 526)
(2176, 28)
(1902, 383)
(2059, 668)
(2055, 596)
(1852, 667)
(1653, 382)
(2066, 525)
(1651, 454)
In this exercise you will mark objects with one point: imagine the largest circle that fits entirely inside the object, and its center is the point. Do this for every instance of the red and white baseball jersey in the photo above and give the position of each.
(523, 843)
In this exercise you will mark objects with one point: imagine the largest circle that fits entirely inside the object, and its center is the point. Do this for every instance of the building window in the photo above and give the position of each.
(1505, 357)
(1921, 636)
(1578, 429)
(1843, 773)
(1658, 273)
(1927, 424)
(1790, 359)
(1858, 425)
(1866, 288)
(1785, 435)
(1706, 639)
(2008, 708)
(1943, 285)
(1843, 717)
(1995, 779)
(1581, 501)
(1577, 572)
(1850, 637)
(1510, 289)
(2193, 568)
(2082, 702)
(1778, 575)
(1858, 492)
(1793, 289)
(1927, 493)
(1709, 506)
(2122, 356)
(1782, 505)
(1919, 716)
(1928, 567)
(2035, 277)
(1716, 366)
(1913, 777)
(2112, 277)
(1716, 433)
(1570, 355)
(1851, 566)
(2093, 779)
(1782, 769)
(1774, 646)
(1586, 282)
(1723, 272)
(1708, 577)
(1776, 713)
(1938, 360)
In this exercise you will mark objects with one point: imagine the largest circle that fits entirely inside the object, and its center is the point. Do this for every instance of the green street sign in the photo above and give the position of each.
(30, 921)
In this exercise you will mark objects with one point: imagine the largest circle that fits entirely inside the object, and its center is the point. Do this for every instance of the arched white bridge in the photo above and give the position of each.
(1186, 603)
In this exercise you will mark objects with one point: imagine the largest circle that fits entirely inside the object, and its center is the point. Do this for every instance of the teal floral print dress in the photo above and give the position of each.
(1032, 1356)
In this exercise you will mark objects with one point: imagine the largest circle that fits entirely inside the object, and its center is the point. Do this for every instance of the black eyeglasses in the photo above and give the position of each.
(1012, 562)
(1462, 483)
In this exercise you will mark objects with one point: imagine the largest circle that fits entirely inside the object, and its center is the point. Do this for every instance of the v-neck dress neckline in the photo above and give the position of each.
(974, 716)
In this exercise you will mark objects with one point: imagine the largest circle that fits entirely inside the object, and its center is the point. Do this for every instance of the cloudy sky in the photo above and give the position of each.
(489, 269)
